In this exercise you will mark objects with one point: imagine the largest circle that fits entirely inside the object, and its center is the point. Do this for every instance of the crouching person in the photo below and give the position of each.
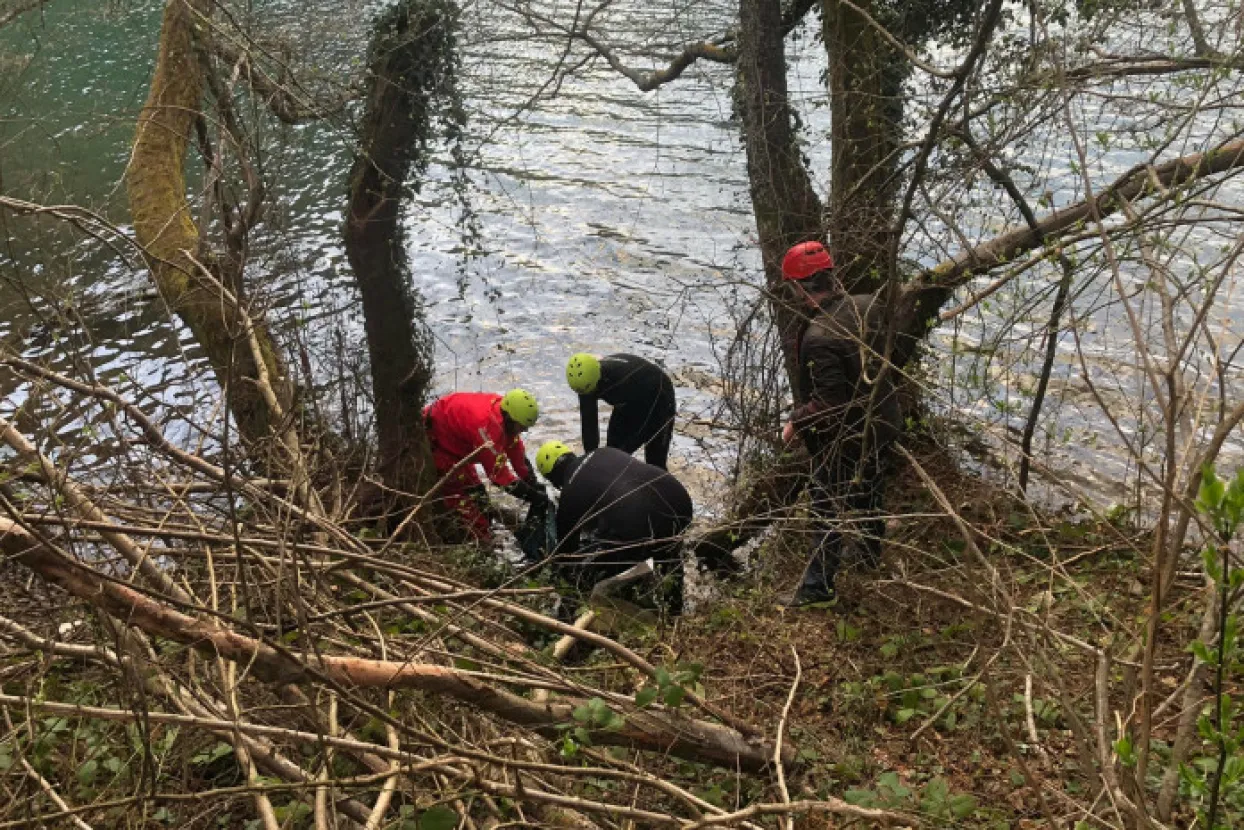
(617, 513)
(469, 428)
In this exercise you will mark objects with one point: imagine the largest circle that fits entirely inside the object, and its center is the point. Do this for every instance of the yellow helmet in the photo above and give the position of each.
(583, 373)
(521, 406)
(546, 457)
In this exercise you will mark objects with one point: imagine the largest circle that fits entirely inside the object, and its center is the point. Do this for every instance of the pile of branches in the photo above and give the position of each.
(350, 681)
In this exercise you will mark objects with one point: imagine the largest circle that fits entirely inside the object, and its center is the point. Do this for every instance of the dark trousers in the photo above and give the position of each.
(649, 424)
(847, 492)
(600, 559)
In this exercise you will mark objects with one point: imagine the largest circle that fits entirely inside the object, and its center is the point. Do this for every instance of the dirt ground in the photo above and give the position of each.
(905, 695)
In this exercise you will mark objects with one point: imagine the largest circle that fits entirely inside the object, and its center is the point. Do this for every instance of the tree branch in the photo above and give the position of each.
(716, 50)
(653, 730)
(1137, 182)
(11, 13)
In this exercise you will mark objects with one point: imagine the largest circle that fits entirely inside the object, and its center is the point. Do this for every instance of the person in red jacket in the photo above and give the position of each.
(470, 428)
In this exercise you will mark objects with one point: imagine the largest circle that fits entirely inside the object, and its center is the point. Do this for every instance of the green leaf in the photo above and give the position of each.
(962, 806)
(690, 673)
(645, 696)
(438, 818)
(936, 791)
(674, 695)
(1123, 748)
(1211, 491)
(1202, 652)
(860, 798)
(1209, 558)
(904, 715)
(715, 795)
(889, 782)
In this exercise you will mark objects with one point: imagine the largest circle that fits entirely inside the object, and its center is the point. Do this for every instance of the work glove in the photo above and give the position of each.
(528, 492)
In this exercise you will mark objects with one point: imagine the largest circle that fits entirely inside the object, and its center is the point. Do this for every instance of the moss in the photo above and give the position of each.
(156, 185)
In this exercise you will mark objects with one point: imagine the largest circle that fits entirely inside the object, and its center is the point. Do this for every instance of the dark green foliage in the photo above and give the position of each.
(415, 49)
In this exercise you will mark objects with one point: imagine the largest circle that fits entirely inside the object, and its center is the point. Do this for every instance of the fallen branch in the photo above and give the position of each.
(658, 731)
(777, 750)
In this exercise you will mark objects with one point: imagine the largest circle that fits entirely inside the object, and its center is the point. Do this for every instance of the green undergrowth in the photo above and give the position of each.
(906, 699)
(903, 698)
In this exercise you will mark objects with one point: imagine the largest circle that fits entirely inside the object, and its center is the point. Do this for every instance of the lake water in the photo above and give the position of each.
(612, 220)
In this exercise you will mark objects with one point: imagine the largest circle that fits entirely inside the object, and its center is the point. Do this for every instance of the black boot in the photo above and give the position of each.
(718, 559)
(817, 585)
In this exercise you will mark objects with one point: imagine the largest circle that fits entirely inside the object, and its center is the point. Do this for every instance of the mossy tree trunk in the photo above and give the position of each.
(411, 65)
(156, 183)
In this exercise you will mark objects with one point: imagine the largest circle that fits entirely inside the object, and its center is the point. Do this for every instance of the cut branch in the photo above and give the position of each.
(657, 731)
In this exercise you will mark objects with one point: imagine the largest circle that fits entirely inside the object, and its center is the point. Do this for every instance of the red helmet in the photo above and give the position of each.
(806, 259)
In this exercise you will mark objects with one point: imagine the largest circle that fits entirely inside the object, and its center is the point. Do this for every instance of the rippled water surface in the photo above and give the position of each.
(612, 220)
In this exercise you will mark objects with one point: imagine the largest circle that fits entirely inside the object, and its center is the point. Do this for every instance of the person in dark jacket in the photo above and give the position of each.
(616, 512)
(642, 397)
(846, 414)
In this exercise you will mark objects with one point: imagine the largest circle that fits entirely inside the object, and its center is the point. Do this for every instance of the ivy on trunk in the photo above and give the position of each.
(410, 87)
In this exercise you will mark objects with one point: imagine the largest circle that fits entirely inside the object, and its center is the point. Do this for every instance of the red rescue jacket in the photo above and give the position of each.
(467, 428)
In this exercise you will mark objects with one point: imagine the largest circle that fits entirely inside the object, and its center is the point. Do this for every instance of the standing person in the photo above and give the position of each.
(469, 428)
(642, 397)
(615, 512)
(844, 416)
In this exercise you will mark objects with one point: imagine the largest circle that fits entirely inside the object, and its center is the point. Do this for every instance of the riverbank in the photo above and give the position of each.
(962, 683)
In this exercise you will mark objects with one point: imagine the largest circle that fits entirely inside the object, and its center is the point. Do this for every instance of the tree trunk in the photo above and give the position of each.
(393, 129)
(156, 184)
(785, 203)
(865, 84)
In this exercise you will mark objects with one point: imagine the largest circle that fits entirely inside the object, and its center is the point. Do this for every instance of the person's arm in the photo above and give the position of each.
(831, 387)
(567, 528)
(517, 453)
(496, 465)
(524, 486)
(591, 422)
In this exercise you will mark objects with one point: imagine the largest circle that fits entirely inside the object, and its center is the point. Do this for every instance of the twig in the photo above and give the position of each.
(1030, 719)
(945, 707)
(777, 741)
(46, 785)
(563, 646)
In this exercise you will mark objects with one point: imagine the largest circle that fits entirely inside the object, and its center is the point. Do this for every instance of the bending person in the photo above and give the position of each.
(642, 397)
(616, 512)
(469, 428)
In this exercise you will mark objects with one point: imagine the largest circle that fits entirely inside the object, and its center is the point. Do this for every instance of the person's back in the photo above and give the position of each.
(459, 418)
(840, 360)
(621, 499)
(628, 378)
